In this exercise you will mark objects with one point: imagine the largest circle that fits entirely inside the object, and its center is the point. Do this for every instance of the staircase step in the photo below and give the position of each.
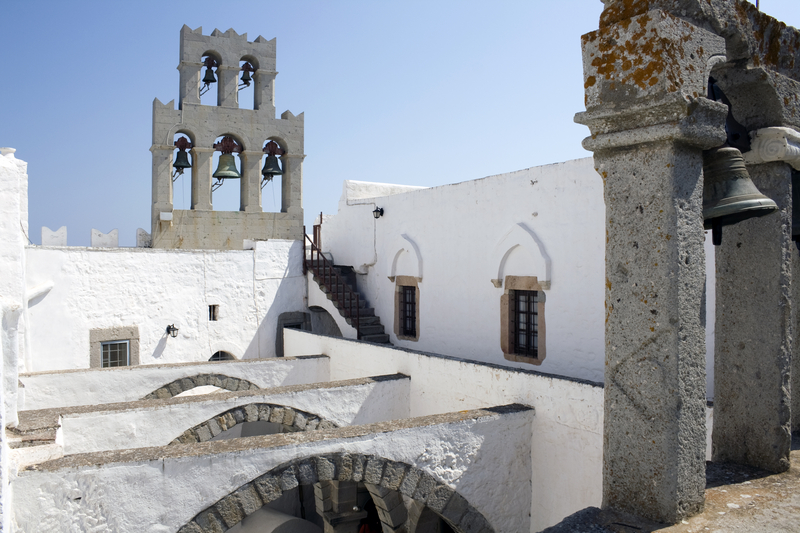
(381, 338)
(375, 329)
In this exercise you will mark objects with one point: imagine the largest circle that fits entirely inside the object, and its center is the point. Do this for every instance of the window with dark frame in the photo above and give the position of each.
(408, 311)
(115, 353)
(524, 323)
(213, 310)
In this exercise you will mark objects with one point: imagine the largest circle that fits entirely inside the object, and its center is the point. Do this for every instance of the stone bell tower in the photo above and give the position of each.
(201, 227)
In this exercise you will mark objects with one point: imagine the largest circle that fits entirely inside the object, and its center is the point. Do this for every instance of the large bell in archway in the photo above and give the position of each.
(181, 161)
(226, 168)
(272, 167)
(729, 195)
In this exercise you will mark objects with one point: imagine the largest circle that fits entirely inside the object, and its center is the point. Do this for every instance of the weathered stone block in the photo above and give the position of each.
(300, 421)
(251, 413)
(359, 464)
(393, 475)
(210, 521)
(312, 424)
(244, 385)
(238, 416)
(276, 415)
(288, 416)
(374, 470)
(203, 433)
(456, 507)
(425, 486)
(268, 488)
(288, 479)
(326, 424)
(474, 522)
(396, 517)
(191, 527)
(163, 393)
(326, 468)
(263, 412)
(307, 472)
(230, 511)
(175, 388)
(214, 427)
(344, 467)
(439, 497)
(187, 384)
(409, 484)
(248, 499)
(201, 380)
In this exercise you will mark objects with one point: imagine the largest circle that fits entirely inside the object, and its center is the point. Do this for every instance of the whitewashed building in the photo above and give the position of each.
(206, 380)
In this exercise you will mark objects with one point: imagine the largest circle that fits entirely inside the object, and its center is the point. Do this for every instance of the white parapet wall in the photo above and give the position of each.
(157, 423)
(483, 455)
(140, 291)
(567, 433)
(46, 390)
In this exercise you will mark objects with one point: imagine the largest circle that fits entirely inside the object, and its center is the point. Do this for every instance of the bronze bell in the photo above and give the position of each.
(246, 79)
(227, 167)
(181, 161)
(272, 167)
(209, 78)
(729, 196)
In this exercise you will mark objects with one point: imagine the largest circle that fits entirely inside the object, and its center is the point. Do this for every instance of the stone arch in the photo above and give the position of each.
(293, 420)
(183, 384)
(521, 235)
(404, 480)
(406, 245)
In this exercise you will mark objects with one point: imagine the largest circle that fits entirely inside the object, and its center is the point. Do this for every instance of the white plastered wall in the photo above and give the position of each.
(546, 222)
(567, 431)
(151, 289)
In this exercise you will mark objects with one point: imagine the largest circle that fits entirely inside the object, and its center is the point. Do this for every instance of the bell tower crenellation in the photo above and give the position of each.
(215, 59)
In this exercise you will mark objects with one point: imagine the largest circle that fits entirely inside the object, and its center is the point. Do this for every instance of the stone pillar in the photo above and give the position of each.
(752, 348)
(251, 181)
(644, 77)
(162, 182)
(227, 86)
(264, 90)
(292, 184)
(202, 160)
(190, 83)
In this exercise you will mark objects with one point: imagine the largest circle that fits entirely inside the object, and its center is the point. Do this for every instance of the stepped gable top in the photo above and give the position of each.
(749, 33)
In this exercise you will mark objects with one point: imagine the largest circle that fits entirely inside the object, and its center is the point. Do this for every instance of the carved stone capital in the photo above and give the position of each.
(774, 144)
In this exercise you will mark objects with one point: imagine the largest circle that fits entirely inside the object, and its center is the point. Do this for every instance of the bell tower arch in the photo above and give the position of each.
(216, 60)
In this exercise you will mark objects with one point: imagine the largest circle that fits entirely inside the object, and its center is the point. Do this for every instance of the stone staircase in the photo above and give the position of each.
(340, 294)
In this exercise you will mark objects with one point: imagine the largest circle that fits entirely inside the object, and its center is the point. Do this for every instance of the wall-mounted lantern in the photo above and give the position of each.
(378, 213)
(172, 331)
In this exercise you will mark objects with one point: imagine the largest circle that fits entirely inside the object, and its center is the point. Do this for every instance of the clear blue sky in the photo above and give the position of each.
(413, 92)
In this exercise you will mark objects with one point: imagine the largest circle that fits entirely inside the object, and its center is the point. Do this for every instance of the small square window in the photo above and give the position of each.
(213, 313)
(116, 353)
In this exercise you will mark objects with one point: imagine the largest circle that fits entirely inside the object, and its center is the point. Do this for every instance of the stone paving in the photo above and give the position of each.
(738, 500)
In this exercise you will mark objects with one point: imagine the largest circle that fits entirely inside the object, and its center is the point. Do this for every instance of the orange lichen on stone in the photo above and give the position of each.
(591, 80)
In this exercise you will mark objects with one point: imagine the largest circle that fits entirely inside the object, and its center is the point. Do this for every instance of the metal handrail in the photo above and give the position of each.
(323, 270)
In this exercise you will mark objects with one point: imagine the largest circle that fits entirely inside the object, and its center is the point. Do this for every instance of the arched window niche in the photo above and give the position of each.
(183, 141)
(246, 84)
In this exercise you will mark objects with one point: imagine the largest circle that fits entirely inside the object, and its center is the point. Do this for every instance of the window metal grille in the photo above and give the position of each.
(524, 322)
(213, 311)
(408, 311)
(116, 353)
